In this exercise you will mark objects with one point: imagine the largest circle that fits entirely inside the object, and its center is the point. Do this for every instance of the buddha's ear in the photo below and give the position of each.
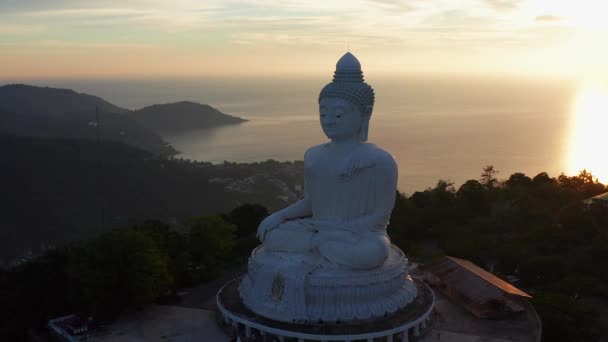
(364, 128)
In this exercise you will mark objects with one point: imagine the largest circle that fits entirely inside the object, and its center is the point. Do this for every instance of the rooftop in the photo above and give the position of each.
(477, 284)
(601, 197)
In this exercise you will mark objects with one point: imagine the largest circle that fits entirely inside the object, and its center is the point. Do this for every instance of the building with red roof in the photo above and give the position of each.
(477, 290)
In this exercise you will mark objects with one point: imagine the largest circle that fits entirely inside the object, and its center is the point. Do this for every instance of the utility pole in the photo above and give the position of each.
(100, 175)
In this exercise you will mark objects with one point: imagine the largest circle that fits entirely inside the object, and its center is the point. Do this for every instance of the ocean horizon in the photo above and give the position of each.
(436, 127)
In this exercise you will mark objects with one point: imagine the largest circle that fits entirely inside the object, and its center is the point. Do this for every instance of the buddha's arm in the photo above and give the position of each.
(302, 208)
(384, 187)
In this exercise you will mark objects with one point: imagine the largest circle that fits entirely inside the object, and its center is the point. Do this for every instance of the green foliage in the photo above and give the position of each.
(172, 246)
(564, 318)
(423, 252)
(210, 242)
(584, 184)
(114, 272)
(518, 180)
(542, 270)
(246, 218)
(39, 284)
(538, 228)
(119, 270)
(488, 177)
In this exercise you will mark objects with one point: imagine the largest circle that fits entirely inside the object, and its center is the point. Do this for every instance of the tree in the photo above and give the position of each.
(172, 245)
(246, 218)
(488, 177)
(542, 178)
(210, 241)
(397, 222)
(116, 271)
(40, 284)
(472, 197)
(518, 180)
(422, 199)
(565, 319)
(444, 193)
(584, 184)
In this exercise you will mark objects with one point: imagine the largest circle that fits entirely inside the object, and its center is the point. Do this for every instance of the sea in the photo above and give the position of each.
(438, 127)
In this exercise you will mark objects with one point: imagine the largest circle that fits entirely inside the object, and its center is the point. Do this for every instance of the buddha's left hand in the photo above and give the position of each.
(269, 223)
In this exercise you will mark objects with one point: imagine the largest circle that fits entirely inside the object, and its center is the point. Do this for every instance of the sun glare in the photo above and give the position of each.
(588, 144)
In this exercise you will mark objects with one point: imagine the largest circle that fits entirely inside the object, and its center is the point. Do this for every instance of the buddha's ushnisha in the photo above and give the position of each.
(349, 185)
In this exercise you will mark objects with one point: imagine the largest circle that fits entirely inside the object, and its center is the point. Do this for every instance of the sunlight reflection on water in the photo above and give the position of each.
(588, 137)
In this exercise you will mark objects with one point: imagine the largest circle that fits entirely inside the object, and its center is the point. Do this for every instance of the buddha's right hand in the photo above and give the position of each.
(268, 224)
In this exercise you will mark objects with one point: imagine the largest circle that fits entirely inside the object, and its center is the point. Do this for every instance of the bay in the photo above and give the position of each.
(436, 126)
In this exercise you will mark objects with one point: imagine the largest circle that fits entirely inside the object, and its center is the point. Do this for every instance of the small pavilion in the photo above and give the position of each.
(600, 199)
(477, 290)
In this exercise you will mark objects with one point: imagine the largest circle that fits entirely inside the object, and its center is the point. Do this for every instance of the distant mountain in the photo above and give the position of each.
(182, 116)
(62, 113)
(82, 125)
(26, 99)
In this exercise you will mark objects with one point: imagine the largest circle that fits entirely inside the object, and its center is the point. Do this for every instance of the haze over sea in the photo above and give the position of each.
(437, 127)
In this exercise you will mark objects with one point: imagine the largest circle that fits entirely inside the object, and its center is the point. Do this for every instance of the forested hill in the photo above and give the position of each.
(83, 126)
(63, 113)
(181, 116)
(25, 99)
(59, 190)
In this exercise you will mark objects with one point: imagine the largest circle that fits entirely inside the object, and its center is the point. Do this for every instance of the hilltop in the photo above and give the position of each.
(25, 99)
(181, 116)
(66, 114)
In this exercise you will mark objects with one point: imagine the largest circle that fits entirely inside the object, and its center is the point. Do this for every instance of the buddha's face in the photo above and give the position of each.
(340, 119)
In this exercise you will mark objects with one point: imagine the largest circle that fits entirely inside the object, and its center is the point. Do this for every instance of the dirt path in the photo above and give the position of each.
(203, 295)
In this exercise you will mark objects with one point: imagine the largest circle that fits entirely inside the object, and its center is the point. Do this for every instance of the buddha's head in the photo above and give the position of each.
(346, 104)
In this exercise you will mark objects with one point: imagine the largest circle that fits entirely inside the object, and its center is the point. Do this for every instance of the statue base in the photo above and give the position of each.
(294, 288)
(406, 324)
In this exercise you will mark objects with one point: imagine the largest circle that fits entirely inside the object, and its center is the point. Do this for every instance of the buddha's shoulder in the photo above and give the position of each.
(376, 155)
(369, 156)
(314, 152)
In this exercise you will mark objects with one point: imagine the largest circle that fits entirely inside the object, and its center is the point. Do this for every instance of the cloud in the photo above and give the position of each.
(99, 45)
(548, 17)
(502, 5)
(18, 29)
(89, 12)
(273, 27)
(395, 5)
(451, 21)
(157, 19)
(19, 6)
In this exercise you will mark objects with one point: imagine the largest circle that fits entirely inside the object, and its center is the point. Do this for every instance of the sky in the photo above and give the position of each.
(155, 38)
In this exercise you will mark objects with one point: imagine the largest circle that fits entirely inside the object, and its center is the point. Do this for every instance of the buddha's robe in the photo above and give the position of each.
(351, 200)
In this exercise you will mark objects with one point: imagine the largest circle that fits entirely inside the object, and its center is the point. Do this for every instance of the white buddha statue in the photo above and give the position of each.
(328, 256)
(349, 184)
